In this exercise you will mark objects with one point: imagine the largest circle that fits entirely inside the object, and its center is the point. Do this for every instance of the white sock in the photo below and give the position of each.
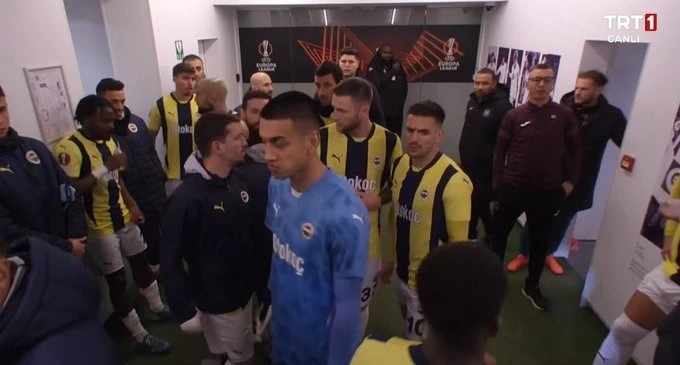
(155, 268)
(620, 343)
(135, 326)
(364, 321)
(153, 296)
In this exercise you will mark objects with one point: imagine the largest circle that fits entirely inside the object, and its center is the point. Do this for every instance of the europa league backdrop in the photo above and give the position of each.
(437, 53)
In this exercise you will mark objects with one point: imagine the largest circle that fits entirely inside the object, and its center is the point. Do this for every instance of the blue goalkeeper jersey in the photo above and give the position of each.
(319, 235)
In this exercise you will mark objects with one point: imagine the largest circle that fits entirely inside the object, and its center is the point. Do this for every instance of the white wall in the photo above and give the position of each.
(89, 41)
(190, 21)
(133, 51)
(561, 28)
(35, 34)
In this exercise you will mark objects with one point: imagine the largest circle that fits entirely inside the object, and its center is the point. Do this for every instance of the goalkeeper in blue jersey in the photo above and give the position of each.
(320, 239)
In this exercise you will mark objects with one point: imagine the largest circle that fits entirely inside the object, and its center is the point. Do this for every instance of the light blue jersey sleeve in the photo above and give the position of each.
(349, 236)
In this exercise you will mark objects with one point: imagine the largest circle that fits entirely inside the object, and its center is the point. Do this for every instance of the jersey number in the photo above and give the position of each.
(367, 293)
(416, 326)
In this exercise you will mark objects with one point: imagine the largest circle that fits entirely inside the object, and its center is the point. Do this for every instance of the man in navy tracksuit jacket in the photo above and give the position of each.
(49, 305)
(208, 224)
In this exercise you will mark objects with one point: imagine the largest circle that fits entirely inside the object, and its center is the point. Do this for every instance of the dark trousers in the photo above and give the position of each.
(559, 228)
(482, 196)
(540, 207)
(668, 349)
(151, 231)
(394, 124)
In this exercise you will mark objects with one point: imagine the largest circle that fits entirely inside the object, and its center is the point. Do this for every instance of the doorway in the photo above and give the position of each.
(622, 63)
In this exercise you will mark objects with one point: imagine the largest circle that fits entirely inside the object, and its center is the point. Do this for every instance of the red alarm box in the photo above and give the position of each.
(627, 163)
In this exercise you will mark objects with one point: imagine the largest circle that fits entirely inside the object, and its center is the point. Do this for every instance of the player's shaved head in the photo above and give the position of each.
(213, 87)
(261, 81)
(295, 106)
(211, 95)
(464, 309)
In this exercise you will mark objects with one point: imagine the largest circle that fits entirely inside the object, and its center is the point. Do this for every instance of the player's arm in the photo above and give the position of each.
(12, 231)
(72, 202)
(176, 227)
(137, 215)
(349, 257)
(573, 142)
(501, 150)
(619, 128)
(457, 206)
(386, 194)
(154, 122)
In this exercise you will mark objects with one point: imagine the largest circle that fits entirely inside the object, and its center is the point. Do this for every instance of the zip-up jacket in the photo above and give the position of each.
(208, 224)
(392, 86)
(144, 176)
(36, 198)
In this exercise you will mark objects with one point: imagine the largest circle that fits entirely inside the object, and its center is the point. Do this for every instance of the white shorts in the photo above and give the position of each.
(370, 283)
(230, 333)
(171, 186)
(662, 291)
(415, 321)
(107, 252)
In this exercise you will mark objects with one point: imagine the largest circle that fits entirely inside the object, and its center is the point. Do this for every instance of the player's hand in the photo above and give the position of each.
(78, 248)
(137, 215)
(568, 188)
(666, 249)
(116, 161)
(385, 273)
(489, 360)
(371, 201)
(671, 209)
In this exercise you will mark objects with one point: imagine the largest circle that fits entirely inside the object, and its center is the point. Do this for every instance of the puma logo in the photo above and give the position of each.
(219, 206)
(276, 209)
(6, 169)
(525, 124)
(354, 216)
(336, 157)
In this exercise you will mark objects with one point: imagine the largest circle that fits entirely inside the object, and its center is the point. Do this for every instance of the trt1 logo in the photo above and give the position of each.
(630, 26)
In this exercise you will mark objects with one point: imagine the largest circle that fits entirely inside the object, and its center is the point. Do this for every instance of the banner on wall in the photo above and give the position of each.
(512, 68)
(653, 224)
(437, 53)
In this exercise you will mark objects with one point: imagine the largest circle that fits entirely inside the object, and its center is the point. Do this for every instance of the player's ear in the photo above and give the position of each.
(314, 139)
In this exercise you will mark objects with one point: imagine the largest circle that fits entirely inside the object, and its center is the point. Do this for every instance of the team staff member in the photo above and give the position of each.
(211, 96)
(391, 81)
(197, 63)
(209, 226)
(320, 256)
(92, 159)
(349, 61)
(36, 198)
(143, 175)
(253, 102)
(462, 311)
(655, 298)
(259, 81)
(540, 141)
(175, 115)
(599, 122)
(48, 308)
(485, 110)
(362, 152)
(431, 197)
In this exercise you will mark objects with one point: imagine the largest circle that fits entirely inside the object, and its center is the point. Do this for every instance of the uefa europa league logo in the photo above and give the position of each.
(265, 49)
(449, 47)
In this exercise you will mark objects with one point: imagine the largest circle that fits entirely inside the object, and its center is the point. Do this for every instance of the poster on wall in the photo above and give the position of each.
(437, 53)
(514, 68)
(502, 64)
(492, 57)
(653, 224)
(51, 103)
(530, 60)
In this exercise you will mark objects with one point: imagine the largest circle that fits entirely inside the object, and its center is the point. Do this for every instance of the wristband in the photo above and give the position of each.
(100, 172)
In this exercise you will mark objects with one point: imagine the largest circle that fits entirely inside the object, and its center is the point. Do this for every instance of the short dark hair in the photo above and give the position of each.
(211, 127)
(109, 84)
(428, 108)
(359, 89)
(350, 50)
(541, 66)
(254, 94)
(596, 76)
(191, 57)
(182, 68)
(296, 106)
(488, 71)
(330, 68)
(463, 309)
(90, 105)
(2, 92)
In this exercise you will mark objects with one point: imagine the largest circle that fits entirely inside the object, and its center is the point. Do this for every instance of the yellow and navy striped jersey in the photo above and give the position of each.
(176, 121)
(327, 120)
(431, 206)
(671, 266)
(78, 156)
(393, 351)
(366, 164)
